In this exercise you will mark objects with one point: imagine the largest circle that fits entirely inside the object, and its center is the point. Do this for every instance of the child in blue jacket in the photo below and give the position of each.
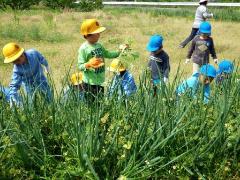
(4, 93)
(27, 69)
(225, 69)
(123, 82)
(205, 76)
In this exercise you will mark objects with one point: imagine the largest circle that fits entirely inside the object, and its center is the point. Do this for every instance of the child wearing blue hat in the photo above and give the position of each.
(204, 77)
(202, 46)
(158, 61)
(225, 69)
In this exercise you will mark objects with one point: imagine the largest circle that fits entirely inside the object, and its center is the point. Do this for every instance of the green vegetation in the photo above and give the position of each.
(142, 137)
(226, 14)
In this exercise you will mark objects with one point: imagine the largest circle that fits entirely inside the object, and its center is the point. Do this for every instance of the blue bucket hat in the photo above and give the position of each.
(208, 70)
(155, 43)
(225, 66)
(205, 28)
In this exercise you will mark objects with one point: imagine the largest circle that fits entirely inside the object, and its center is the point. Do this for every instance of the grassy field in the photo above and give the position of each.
(143, 137)
(57, 36)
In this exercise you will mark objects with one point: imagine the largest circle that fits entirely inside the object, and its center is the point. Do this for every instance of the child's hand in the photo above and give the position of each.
(187, 61)
(47, 70)
(94, 63)
(215, 61)
(122, 47)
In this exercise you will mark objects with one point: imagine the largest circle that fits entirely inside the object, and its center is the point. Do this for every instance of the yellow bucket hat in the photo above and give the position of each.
(12, 52)
(76, 78)
(91, 26)
(117, 66)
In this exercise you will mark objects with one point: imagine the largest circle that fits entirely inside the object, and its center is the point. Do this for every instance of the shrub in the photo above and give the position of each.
(18, 5)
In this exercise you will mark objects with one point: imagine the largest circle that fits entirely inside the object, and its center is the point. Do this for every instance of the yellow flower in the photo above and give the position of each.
(128, 145)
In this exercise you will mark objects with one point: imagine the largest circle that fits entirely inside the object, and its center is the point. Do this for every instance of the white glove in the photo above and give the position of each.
(122, 47)
(187, 61)
(215, 61)
(47, 70)
(165, 80)
(212, 15)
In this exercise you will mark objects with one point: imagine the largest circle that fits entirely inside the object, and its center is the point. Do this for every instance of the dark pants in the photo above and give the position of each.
(190, 37)
(93, 92)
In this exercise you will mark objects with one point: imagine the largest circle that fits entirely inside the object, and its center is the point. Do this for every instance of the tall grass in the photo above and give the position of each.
(161, 137)
(226, 14)
(45, 30)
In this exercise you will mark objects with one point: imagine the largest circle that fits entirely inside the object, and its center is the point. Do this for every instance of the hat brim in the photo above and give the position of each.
(116, 70)
(152, 49)
(99, 30)
(14, 58)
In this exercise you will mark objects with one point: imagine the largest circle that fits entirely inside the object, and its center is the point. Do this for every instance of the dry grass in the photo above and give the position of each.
(121, 28)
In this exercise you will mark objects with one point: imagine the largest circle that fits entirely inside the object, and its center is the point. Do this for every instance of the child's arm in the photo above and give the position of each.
(42, 60)
(213, 52)
(191, 49)
(166, 70)
(110, 54)
(82, 60)
(206, 93)
(14, 87)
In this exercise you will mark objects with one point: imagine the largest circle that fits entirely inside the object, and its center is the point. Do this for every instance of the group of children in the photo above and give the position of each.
(29, 66)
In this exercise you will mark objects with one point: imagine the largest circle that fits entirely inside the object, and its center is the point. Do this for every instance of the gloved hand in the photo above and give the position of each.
(94, 63)
(165, 80)
(215, 61)
(122, 47)
(187, 61)
(47, 70)
(212, 15)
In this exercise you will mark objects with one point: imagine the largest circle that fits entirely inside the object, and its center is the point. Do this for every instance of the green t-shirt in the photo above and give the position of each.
(88, 51)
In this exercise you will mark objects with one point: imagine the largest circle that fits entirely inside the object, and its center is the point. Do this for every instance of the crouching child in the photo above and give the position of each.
(202, 79)
(27, 69)
(123, 83)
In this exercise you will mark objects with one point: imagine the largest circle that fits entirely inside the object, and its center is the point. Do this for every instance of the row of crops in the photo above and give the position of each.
(160, 137)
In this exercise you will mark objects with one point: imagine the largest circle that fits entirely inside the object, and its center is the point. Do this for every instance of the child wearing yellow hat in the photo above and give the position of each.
(91, 56)
(74, 91)
(27, 69)
(123, 83)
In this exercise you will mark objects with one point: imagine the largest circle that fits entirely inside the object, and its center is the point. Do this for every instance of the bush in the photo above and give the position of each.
(18, 5)
(55, 4)
(89, 5)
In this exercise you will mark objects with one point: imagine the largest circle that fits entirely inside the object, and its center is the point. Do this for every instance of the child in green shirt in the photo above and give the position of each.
(91, 56)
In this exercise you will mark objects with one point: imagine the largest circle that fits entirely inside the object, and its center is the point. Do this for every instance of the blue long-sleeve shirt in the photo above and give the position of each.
(124, 86)
(192, 85)
(30, 74)
(4, 93)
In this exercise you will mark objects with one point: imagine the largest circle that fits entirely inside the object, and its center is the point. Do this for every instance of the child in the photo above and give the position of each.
(192, 84)
(225, 69)
(75, 90)
(202, 46)
(158, 61)
(27, 70)
(123, 82)
(91, 58)
(201, 15)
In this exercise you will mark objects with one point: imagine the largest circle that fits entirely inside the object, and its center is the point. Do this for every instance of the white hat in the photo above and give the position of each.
(201, 1)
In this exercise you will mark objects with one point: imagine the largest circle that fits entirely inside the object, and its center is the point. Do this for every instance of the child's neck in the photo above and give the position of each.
(122, 73)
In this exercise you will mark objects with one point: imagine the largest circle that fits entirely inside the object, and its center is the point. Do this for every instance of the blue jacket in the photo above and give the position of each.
(4, 92)
(31, 75)
(124, 86)
(192, 85)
